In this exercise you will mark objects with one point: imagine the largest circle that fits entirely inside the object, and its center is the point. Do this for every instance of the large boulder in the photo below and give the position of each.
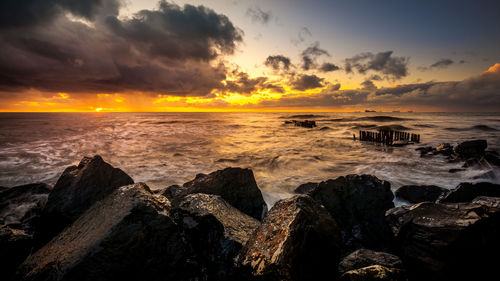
(298, 240)
(419, 193)
(374, 273)
(201, 216)
(365, 257)
(471, 149)
(20, 206)
(448, 241)
(235, 185)
(75, 191)
(129, 235)
(466, 192)
(358, 204)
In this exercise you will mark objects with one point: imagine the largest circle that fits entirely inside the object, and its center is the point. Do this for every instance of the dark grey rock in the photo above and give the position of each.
(364, 257)
(419, 193)
(298, 240)
(468, 149)
(466, 192)
(306, 188)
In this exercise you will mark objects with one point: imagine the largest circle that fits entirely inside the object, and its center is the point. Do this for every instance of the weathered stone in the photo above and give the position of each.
(468, 149)
(447, 241)
(466, 192)
(129, 235)
(298, 240)
(419, 193)
(235, 185)
(200, 215)
(358, 204)
(75, 191)
(374, 273)
(364, 257)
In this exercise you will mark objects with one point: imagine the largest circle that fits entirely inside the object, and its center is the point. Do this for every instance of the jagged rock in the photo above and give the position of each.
(75, 191)
(201, 215)
(419, 193)
(358, 204)
(298, 240)
(468, 149)
(374, 273)
(235, 185)
(364, 257)
(21, 205)
(306, 188)
(129, 235)
(15, 246)
(466, 192)
(447, 241)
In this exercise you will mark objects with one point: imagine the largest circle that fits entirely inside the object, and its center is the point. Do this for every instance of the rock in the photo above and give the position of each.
(358, 204)
(15, 245)
(75, 191)
(298, 240)
(466, 192)
(424, 150)
(470, 149)
(129, 235)
(235, 185)
(306, 188)
(492, 157)
(444, 149)
(364, 257)
(419, 193)
(216, 252)
(20, 206)
(452, 171)
(374, 273)
(447, 241)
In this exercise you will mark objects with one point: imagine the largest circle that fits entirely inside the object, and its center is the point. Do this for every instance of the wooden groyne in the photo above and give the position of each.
(389, 137)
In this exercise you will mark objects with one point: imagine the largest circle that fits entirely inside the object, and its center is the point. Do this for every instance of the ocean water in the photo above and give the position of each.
(171, 148)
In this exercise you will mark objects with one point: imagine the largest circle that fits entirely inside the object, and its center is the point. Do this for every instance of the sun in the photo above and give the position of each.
(98, 109)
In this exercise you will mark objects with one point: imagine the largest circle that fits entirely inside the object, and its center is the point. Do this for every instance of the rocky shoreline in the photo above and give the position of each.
(95, 223)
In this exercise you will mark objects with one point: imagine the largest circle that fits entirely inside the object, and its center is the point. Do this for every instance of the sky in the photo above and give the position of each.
(235, 55)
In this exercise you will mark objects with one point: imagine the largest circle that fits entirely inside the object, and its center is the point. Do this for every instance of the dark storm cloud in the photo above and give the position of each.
(256, 14)
(278, 62)
(383, 62)
(310, 54)
(305, 82)
(168, 50)
(244, 84)
(327, 67)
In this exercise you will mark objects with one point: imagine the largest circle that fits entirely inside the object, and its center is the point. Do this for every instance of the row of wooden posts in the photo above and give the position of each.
(388, 137)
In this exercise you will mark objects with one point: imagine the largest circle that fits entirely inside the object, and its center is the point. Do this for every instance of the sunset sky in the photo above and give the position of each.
(235, 55)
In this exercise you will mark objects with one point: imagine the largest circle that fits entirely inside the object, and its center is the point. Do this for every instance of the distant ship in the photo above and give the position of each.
(370, 110)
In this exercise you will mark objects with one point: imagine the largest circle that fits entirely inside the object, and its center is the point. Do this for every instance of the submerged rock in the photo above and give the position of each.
(201, 217)
(466, 192)
(130, 235)
(298, 240)
(235, 185)
(374, 273)
(448, 241)
(364, 257)
(75, 191)
(358, 204)
(419, 193)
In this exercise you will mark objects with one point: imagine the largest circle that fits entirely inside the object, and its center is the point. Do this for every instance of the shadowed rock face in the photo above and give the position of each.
(130, 235)
(216, 231)
(364, 257)
(298, 240)
(75, 191)
(466, 192)
(448, 241)
(235, 185)
(358, 204)
(419, 193)
(474, 148)
(374, 273)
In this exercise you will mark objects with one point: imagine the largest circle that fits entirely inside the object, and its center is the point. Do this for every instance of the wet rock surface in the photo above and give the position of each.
(419, 193)
(298, 240)
(466, 192)
(358, 204)
(365, 257)
(75, 191)
(235, 185)
(448, 241)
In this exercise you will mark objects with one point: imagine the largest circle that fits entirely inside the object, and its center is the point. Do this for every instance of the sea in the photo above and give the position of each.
(162, 149)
